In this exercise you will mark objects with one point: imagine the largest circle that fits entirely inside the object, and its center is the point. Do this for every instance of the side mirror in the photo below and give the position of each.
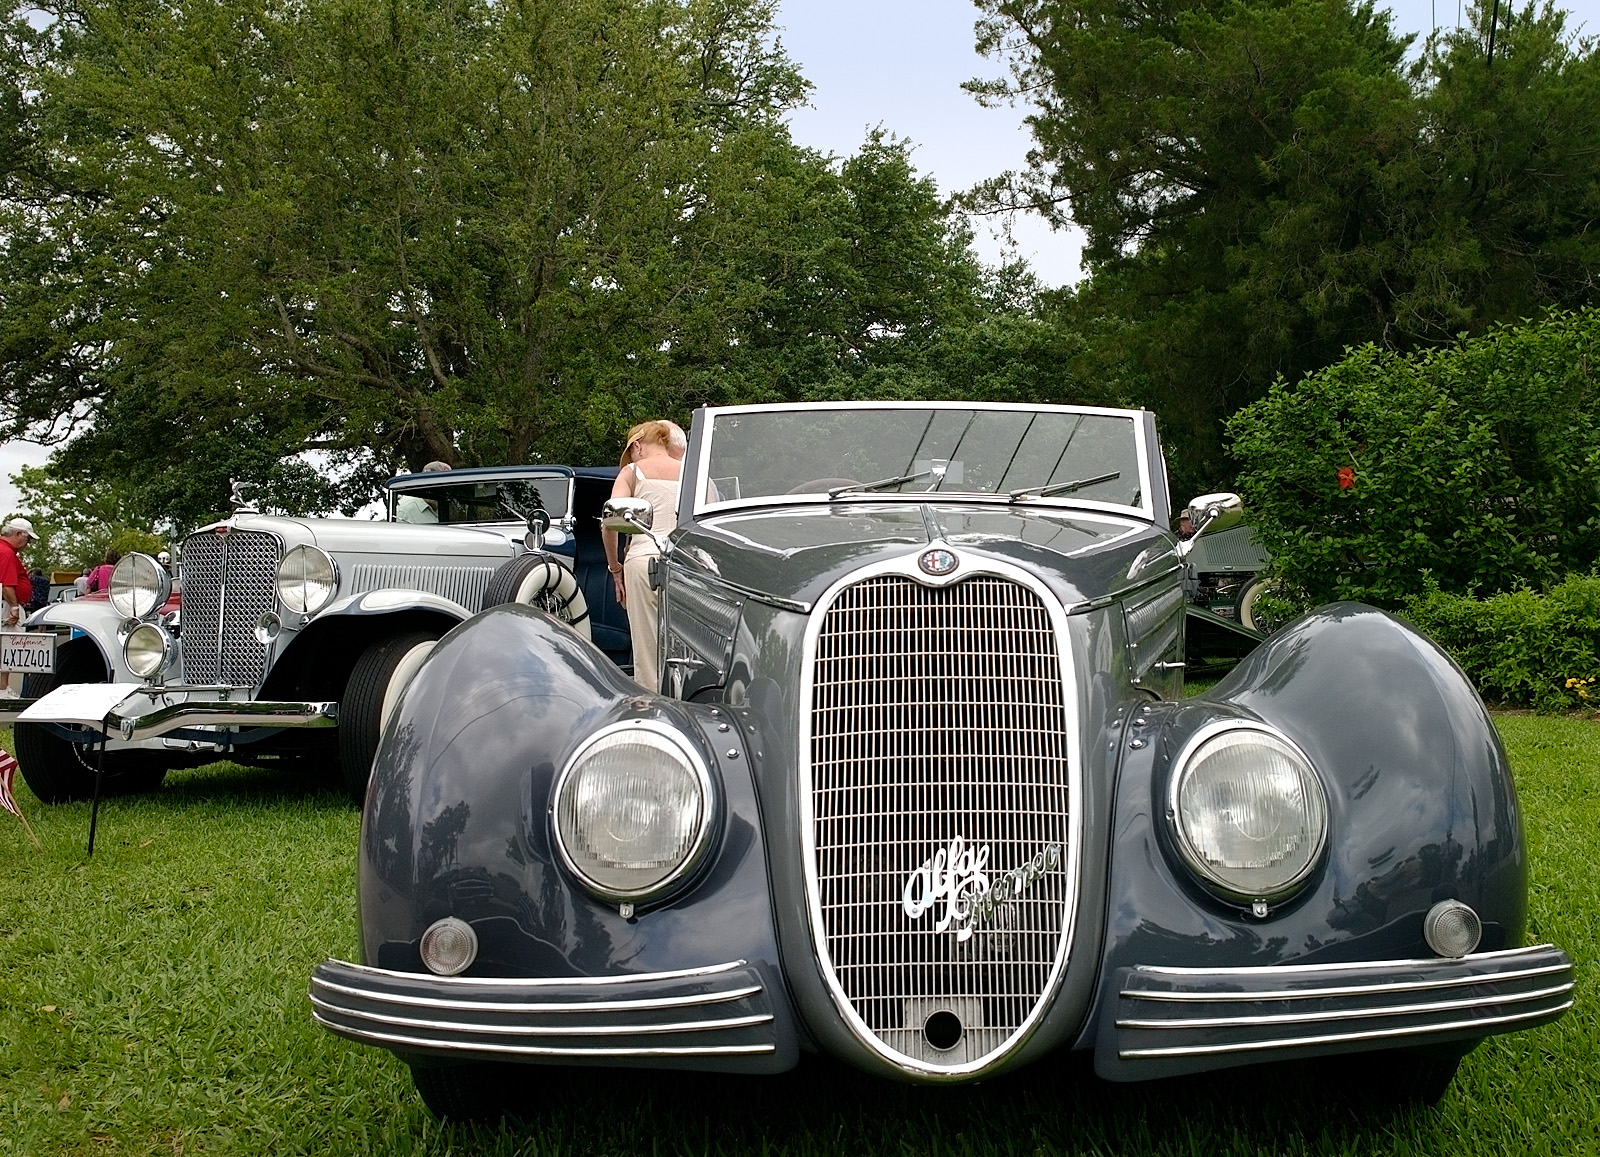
(1211, 514)
(538, 527)
(627, 515)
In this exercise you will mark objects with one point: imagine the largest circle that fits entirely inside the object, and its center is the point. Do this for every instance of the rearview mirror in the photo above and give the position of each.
(1211, 514)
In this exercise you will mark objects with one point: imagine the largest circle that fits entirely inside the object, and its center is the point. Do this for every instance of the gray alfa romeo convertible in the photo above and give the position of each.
(922, 792)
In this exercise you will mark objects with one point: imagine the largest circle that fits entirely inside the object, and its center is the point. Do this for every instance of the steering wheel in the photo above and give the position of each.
(823, 484)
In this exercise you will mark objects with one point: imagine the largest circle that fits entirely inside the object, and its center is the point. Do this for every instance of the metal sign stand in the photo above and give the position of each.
(99, 777)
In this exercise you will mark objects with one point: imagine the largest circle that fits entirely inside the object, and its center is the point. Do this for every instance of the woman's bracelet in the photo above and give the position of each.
(614, 568)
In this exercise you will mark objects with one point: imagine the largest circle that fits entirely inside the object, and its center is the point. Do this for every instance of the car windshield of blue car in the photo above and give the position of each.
(481, 501)
(841, 454)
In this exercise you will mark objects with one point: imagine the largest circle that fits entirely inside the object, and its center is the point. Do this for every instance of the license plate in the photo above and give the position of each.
(30, 651)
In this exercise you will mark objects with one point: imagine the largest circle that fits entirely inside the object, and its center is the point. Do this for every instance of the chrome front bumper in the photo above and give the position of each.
(720, 1017)
(1165, 1021)
(153, 712)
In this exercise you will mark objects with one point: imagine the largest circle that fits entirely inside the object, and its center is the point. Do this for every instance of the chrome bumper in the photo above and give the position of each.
(152, 712)
(718, 1017)
(1165, 1021)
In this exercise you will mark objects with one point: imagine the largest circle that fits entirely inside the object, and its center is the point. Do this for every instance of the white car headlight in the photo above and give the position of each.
(1249, 812)
(633, 810)
(140, 586)
(147, 649)
(307, 579)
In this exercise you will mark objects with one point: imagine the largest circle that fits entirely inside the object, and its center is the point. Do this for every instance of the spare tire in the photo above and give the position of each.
(1248, 608)
(544, 581)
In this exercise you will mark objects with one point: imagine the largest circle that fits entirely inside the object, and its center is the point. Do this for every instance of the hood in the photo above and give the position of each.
(797, 553)
(344, 536)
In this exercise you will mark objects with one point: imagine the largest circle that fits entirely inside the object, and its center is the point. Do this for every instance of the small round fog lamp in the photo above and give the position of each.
(146, 650)
(1452, 929)
(449, 947)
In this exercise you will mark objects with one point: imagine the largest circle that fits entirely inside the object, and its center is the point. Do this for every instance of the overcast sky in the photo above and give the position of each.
(900, 64)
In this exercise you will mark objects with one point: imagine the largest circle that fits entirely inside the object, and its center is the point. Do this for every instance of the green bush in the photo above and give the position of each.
(1477, 465)
(1521, 648)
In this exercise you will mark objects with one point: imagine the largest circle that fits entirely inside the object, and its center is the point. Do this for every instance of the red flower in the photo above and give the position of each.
(1347, 477)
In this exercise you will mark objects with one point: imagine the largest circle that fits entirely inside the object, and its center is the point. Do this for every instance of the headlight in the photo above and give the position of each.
(307, 579)
(633, 811)
(1249, 812)
(146, 649)
(140, 586)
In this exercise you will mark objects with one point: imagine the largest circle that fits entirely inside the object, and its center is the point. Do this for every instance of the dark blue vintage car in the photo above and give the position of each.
(923, 793)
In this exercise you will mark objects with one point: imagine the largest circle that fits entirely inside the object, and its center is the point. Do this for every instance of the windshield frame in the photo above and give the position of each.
(421, 483)
(707, 418)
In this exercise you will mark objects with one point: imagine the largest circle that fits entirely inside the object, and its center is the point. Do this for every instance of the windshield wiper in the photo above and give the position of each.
(879, 484)
(1063, 487)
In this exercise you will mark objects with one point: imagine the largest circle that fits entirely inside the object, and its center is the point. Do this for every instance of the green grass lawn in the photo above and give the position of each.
(153, 1001)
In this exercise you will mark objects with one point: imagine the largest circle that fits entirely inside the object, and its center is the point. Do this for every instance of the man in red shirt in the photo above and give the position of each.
(15, 586)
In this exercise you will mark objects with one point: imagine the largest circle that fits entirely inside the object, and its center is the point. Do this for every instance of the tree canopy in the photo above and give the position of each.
(398, 230)
(1264, 183)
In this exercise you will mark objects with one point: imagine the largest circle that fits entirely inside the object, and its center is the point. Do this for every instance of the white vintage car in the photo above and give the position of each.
(295, 635)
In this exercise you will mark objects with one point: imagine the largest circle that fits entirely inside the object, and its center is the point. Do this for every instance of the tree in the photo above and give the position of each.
(406, 230)
(1264, 183)
(78, 519)
(1471, 469)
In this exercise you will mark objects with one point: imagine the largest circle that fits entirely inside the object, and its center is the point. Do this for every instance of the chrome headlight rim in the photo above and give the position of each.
(694, 856)
(300, 594)
(140, 587)
(141, 641)
(1317, 816)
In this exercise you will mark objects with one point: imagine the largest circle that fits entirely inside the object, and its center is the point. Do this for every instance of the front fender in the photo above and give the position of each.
(1420, 799)
(457, 818)
(92, 622)
(389, 600)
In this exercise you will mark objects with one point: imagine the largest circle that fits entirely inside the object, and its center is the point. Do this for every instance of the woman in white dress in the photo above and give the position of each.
(652, 466)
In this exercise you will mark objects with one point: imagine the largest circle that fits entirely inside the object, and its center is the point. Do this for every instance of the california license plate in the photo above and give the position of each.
(31, 651)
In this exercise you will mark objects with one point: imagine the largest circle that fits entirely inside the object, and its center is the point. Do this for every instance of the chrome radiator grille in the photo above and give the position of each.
(939, 714)
(229, 582)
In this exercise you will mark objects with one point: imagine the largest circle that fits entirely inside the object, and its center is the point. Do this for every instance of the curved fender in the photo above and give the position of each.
(390, 599)
(1420, 800)
(457, 818)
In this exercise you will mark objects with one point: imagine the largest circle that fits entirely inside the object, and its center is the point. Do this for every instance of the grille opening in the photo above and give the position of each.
(943, 1030)
(939, 715)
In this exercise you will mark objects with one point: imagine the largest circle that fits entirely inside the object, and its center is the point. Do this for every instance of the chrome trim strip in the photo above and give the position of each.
(539, 1051)
(643, 1005)
(1344, 990)
(1410, 1030)
(1290, 1017)
(1250, 972)
(513, 984)
(469, 1028)
(702, 572)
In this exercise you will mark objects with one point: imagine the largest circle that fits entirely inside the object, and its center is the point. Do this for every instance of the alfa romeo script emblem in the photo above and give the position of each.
(957, 877)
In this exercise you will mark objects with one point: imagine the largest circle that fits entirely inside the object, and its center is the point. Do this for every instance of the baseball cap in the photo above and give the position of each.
(21, 524)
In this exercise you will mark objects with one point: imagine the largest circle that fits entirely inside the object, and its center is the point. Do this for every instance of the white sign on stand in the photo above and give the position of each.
(85, 703)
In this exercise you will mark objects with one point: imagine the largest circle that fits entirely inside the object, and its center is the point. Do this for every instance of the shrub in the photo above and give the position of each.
(1521, 648)
(1478, 464)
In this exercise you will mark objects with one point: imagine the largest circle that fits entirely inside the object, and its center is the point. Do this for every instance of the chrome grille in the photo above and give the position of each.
(229, 582)
(461, 584)
(938, 713)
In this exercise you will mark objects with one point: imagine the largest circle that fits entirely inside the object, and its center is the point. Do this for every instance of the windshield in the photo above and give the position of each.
(480, 501)
(840, 453)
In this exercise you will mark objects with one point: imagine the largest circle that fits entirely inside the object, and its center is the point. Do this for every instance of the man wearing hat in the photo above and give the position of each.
(15, 585)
